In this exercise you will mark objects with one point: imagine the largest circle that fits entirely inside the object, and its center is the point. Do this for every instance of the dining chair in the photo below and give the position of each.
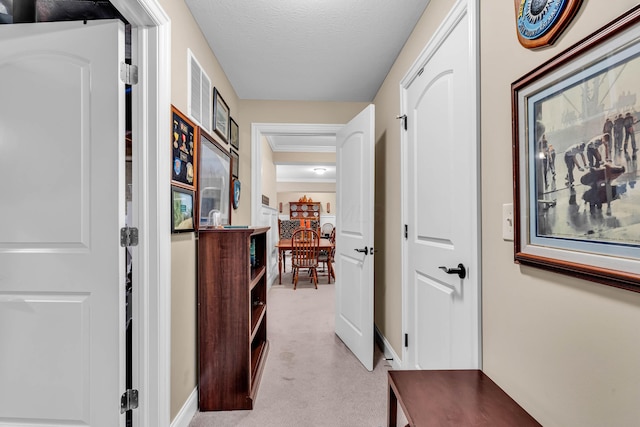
(306, 249)
(326, 229)
(326, 257)
(286, 227)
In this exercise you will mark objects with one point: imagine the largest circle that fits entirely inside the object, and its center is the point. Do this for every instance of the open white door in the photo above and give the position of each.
(355, 151)
(62, 141)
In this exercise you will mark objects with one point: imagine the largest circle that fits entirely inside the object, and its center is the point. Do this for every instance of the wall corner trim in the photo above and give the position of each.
(188, 410)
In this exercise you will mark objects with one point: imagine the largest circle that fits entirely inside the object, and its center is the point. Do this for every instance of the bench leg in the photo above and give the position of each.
(392, 409)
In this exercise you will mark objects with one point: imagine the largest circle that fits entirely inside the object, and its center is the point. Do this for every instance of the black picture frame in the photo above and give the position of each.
(221, 116)
(182, 210)
(234, 134)
(235, 164)
(577, 215)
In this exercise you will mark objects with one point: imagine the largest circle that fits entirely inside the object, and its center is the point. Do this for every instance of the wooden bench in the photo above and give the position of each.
(452, 398)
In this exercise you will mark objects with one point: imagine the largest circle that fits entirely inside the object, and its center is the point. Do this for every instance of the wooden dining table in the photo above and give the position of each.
(286, 245)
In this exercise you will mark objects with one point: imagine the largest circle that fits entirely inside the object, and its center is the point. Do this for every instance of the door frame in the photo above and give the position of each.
(259, 130)
(456, 13)
(151, 98)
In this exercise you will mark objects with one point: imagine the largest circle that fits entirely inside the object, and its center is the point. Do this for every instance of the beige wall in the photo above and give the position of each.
(284, 158)
(298, 112)
(268, 182)
(301, 187)
(566, 349)
(186, 35)
(183, 320)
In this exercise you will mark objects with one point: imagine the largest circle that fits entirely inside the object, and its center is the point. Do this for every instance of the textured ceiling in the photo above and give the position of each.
(306, 173)
(316, 50)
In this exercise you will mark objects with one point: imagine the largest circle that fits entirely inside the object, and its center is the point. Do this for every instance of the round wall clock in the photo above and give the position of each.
(540, 22)
(236, 193)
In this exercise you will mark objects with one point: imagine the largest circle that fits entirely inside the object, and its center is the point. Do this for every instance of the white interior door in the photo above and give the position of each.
(355, 153)
(62, 269)
(441, 309)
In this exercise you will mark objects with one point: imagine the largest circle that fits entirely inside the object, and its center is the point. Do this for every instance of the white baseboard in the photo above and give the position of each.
(387, 350)
(188, 411)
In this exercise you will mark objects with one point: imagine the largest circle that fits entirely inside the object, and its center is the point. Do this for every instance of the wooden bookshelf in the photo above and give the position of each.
(232, 316)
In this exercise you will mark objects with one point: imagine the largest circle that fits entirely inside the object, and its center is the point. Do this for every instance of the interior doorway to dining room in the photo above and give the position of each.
(354, 147)
(291, 151)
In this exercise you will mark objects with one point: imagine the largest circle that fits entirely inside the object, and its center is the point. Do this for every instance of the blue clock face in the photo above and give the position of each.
(537, 17)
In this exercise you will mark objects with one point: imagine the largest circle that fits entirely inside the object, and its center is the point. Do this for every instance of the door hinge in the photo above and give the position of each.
(128, 236)
(129, 73)
(406, 231)
(406, 340)
(128, 401)
(404, 120)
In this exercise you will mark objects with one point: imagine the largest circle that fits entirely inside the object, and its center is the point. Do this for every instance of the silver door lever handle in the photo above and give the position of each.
(460, 271)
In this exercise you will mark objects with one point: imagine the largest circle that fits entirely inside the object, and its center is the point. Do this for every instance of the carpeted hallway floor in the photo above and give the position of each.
(310, 379)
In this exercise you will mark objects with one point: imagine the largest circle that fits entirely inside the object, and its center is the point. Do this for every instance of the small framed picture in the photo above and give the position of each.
(235, 134)
(181, 210)
(184, 137)
(221, 118)
(235, 164)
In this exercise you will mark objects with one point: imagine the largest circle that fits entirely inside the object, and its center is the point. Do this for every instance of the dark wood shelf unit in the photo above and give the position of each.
(304, 210)
(232, 316)
(256, 275)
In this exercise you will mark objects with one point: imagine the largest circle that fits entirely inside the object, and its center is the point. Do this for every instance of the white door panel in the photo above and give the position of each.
(441, 192)
(61, 265)
(354, 230)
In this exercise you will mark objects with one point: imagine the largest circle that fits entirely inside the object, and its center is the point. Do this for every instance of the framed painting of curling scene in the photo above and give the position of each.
(576, 190)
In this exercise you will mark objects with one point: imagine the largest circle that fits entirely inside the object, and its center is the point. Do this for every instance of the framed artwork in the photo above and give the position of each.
(214, 183)
(181, 210)
(576, 197)
(235, 164)
(234, 134)
(236, 193)
(184, 135)
(221, 118)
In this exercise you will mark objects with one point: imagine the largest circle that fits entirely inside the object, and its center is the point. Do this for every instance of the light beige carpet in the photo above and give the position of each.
(310, 378)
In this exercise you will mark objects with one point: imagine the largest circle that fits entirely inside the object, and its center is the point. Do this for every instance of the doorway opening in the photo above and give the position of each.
(354, 162)
(309, 138)
(33, 11)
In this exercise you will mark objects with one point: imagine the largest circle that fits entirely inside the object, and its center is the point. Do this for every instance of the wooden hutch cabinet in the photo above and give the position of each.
(304, 210)
(232, 316)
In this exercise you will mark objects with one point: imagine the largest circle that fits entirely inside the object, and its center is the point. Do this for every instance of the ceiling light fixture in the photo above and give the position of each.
(319, 171)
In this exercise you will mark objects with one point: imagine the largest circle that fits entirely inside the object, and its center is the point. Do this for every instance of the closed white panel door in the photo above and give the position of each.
(354, 235)
(442, 323)
(62, 185)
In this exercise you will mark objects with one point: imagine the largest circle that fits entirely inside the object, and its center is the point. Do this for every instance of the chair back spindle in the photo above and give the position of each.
(306, 249)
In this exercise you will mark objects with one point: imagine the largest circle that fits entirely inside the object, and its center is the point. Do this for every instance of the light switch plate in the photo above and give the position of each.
(507, 221)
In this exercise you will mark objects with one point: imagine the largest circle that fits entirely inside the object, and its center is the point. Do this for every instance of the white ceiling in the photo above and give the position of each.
(306, 173)
(315, 50)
